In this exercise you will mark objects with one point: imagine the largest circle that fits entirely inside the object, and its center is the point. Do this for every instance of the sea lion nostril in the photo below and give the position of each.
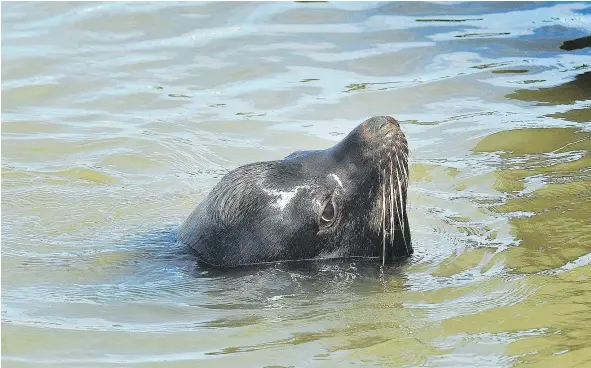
(389, 123)
(391, 120)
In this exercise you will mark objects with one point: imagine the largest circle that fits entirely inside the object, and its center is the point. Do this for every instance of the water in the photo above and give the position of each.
(117, 119)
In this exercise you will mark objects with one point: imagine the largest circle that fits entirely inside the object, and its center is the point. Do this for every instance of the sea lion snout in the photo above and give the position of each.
(378, 125)
(392, 121)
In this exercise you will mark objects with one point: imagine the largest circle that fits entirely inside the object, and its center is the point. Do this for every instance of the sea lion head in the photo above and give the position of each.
(346, 201)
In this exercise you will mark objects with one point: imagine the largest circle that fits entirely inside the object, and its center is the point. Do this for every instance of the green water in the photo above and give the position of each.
(118, 118)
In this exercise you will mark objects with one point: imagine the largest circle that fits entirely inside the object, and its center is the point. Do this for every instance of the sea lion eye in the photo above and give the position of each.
(327, 214)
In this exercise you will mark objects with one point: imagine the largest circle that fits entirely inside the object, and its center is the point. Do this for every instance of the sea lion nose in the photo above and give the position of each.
(392, 120)
(377, 126)
(390, 123)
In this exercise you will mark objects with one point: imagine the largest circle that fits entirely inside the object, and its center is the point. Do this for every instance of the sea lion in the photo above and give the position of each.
(346, 201)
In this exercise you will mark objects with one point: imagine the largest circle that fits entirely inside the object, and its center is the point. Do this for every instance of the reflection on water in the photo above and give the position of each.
(578, 43)
(567, 93)
(117, 118)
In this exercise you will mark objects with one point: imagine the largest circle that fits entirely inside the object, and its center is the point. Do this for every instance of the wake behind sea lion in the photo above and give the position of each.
(347, 201)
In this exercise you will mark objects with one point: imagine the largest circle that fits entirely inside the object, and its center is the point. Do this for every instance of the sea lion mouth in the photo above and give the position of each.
(393, 183)
(375, 156)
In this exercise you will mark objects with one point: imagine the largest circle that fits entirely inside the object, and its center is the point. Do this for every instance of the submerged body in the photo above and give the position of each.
(346, 201)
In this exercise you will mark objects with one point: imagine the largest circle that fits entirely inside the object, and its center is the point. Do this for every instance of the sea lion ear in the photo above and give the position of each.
(236, 195)
(296, 154)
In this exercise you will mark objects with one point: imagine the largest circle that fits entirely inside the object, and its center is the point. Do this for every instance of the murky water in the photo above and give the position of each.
(117, 118)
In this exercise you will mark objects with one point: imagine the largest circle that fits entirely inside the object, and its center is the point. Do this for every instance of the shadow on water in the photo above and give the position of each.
(161, 257)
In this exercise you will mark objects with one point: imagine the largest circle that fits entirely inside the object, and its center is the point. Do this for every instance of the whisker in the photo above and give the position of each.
(401, 216)
(404, 172)
(404, 156)
(399, 212)
(397, 202)
(391, 204)
(384, 219)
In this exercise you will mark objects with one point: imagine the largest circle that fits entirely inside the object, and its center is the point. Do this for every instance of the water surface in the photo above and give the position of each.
(118, 118)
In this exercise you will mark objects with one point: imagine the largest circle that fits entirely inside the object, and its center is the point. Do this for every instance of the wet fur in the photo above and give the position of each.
(242, 220)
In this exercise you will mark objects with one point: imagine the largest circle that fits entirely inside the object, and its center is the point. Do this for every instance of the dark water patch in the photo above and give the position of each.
(584, 11)
(576, 115)
(250, 114)
(531, 81)
(510, 71)
(448, 20)
(554, 197)
(566, 93)
(416, 122)
(482, 35)
(490, 65)
(539, 140)
(466, 8)
(576, 44)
